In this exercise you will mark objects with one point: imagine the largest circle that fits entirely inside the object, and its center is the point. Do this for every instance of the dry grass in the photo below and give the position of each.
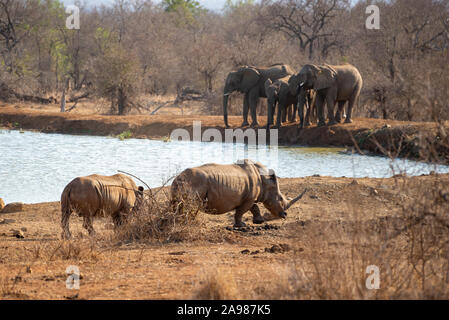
(158, 221)
(217, 285)
(89, 249)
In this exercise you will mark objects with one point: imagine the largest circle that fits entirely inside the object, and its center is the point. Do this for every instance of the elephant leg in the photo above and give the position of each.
(253, 101)
(88, 224)
(331, 102)
(290, 113)
(245, 110)
(354, 98)
(340, 111)
(307, 119)
(281, 114)
(257, 217)
(294, 108)
(351, 103)
(286, 113)
(270, 114)
(301, 114)
(320, 108)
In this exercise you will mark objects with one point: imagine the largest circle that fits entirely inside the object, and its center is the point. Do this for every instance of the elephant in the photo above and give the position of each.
(332, 84)
(278, 93)
(222, 188)
(95, 195)
(307, 99)
(250, 81)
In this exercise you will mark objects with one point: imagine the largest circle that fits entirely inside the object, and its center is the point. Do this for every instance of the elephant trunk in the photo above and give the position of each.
(225, 108)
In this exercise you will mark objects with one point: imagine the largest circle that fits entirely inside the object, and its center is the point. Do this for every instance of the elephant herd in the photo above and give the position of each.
(311, 89)
(215, 188)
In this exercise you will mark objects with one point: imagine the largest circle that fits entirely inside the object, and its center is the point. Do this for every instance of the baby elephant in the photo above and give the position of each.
(239, 187)
(97, 195)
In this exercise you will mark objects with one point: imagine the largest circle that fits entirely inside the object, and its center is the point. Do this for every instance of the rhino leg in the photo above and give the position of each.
(118, 220)
(88, 225)
(66, 235)
(238, 223)
(257, 217)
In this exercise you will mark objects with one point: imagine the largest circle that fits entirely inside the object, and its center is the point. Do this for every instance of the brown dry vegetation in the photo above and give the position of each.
(131, 49)
(320, 252)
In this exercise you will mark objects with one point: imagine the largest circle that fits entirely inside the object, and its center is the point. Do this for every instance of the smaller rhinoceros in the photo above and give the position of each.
(239, 187)
(97, 195)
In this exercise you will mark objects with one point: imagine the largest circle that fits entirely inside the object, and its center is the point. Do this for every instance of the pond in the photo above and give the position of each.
(35, 167)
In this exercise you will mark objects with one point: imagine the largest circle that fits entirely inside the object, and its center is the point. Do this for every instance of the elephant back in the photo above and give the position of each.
(276, 72)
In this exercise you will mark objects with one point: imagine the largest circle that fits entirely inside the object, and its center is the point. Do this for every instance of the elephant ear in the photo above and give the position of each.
(325, 77)
(250, 77)
(268, 85)
(278, 88)
(293, 84)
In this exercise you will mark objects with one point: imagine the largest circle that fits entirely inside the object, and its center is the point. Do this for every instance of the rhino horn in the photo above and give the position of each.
(292, 202)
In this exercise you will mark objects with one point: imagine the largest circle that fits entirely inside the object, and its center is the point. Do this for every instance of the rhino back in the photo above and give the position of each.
(97, 194)
(228, 186)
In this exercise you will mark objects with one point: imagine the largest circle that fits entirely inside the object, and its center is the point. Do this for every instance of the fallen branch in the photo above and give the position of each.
(75, 99)
(160, 107)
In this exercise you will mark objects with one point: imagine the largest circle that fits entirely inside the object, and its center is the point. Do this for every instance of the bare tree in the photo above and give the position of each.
(305, 21)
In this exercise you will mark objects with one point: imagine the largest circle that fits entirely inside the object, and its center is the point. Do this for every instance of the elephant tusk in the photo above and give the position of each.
(227, 94)
(291, 203)
(301, 84)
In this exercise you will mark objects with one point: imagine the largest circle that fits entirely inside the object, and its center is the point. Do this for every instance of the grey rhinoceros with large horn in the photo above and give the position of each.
(97, 195)
(239, 187)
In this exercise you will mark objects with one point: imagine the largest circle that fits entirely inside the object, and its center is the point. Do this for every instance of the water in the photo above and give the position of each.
(35, 167)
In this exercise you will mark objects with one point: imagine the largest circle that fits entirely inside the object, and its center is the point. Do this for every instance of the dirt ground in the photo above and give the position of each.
(251, 260)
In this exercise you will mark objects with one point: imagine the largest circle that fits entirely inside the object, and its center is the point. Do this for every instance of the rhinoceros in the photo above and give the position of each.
(239, 187)
(96, 195)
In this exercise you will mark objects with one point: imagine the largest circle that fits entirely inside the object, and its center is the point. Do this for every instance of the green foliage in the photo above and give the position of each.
(191, 6)
(125, 135)
(186, 11)
(237, 5)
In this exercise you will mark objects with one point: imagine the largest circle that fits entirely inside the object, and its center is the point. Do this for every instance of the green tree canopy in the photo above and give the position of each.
(191, 6)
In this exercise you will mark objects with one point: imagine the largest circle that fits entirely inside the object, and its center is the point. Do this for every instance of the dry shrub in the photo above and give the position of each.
(157, 221)
(411, 252)
(8, 288)
(218, 285)
(410, 246)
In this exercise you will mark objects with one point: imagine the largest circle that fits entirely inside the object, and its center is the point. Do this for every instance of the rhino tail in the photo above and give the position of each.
(66, 211)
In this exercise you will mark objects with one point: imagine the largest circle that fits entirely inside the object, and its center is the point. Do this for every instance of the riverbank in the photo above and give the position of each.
(384, 137)
(329, 224)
